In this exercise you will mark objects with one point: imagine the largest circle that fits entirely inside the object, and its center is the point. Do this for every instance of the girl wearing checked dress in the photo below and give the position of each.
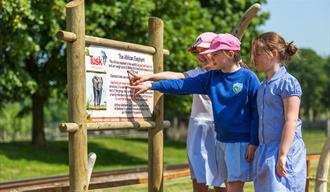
(279, 162)
(232, 91)
(201, 133)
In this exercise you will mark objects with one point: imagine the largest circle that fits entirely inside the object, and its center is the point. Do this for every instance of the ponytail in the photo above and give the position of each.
(291, 49)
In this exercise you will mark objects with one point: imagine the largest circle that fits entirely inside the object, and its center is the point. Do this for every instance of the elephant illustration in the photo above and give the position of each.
(104, 57)
(97, 89)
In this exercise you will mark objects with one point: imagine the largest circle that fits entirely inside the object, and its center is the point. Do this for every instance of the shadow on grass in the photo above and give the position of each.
(56, 152)
(111, 157)
(167, 143)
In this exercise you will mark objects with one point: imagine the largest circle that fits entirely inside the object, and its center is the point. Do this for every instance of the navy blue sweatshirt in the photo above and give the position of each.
(233, 97)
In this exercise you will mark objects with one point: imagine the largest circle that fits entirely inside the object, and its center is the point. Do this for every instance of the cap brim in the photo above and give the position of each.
(209, 51)
(192, 48)
(201, 45)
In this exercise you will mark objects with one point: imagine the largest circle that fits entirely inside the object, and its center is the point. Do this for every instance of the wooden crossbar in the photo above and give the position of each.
(72, 127)
(124, 125)
(71, 37)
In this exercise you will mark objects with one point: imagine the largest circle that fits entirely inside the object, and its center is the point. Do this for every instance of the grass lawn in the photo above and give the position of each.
(20, 160)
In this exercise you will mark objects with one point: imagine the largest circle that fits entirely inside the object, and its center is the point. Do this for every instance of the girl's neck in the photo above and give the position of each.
(231, 68)
(270, 73)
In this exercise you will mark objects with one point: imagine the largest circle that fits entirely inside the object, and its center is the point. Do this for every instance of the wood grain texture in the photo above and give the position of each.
(156, 139)
(77, 96)
(245, 20)
(323, 168)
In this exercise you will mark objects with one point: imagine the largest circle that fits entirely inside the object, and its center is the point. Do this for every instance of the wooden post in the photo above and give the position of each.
(323, 168)
(308, 165)
(77, 96)
(156, 140)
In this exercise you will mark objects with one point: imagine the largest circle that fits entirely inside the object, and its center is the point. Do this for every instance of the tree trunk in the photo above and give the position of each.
(38, 132)
(316, 114)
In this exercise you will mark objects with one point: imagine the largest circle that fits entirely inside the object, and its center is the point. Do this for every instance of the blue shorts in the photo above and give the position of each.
(201, 152)
(231, 161)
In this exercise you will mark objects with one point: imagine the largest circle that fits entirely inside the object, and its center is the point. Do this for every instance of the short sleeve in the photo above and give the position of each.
(290, 87)
(194, 72)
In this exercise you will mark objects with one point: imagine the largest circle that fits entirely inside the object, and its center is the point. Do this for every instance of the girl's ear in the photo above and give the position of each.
(275, 54)
(231, 54)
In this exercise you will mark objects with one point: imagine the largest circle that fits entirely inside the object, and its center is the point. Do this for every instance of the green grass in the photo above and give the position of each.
(180, 184)
(314, 141)
(176, 185)
(20, 160)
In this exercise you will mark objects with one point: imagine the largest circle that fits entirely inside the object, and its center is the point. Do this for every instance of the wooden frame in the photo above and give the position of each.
(77, 126)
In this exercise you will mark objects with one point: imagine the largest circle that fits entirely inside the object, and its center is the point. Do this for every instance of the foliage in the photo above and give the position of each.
(311, 71)
(12, 125)
(225, 14)
(32, 63)
(56, 110)
(13, 45)
(15, 123)
(326, 90)
(29, 50)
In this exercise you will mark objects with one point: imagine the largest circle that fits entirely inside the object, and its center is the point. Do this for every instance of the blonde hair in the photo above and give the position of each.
(270, 41)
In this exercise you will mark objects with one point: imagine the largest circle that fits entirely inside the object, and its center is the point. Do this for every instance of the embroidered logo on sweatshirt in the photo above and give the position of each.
(237, 87)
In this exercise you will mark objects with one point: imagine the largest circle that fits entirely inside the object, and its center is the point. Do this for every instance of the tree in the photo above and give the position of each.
(326, 90)
(32, 63)
(311, 71)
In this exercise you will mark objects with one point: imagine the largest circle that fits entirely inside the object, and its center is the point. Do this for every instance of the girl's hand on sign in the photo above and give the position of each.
(136, 79)
(141, 88)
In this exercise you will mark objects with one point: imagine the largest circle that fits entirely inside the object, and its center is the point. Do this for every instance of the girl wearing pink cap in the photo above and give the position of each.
(201, 134)
(233, 91)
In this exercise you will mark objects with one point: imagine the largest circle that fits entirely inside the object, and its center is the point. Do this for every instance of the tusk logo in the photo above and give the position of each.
(237, 87)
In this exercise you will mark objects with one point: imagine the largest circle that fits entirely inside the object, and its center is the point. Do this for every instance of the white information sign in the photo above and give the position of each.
(108, 98)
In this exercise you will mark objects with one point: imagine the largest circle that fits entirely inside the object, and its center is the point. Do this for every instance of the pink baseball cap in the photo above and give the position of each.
(203, 40)
(224, 41)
